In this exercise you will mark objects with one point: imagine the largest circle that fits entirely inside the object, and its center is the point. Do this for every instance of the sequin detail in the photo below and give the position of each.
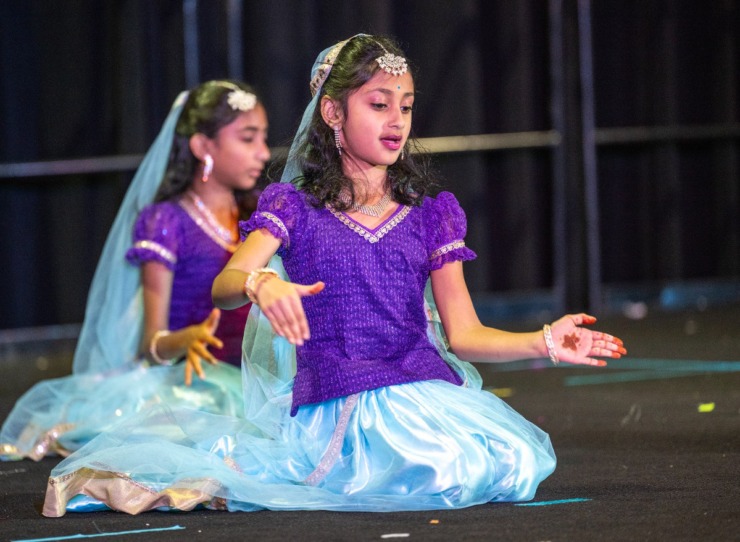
(335, 444)
(366, 234)
(193, 213)
(279, 223)
(158, 249)
(449, 247)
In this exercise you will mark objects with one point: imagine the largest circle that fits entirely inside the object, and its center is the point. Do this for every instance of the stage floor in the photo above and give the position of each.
(648, 449)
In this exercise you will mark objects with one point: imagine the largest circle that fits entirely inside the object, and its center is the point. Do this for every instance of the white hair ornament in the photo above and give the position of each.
(241, 100)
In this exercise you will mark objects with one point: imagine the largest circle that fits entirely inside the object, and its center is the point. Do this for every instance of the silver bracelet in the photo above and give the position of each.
(547, 330)
(153, 347)
(251, 283)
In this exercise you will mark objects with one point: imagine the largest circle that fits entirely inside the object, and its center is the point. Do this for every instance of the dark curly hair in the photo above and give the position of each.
(409, 179)
(206, 111)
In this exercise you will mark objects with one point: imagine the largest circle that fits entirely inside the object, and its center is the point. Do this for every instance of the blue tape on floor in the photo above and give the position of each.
(548, 503)
(652, 369)
(80, 536)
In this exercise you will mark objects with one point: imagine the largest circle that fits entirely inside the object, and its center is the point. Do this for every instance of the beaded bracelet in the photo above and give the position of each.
(251, 283)
(153, 347)
(547, 330)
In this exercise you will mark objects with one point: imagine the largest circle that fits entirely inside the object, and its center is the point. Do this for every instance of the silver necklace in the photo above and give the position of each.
(369, 210)
(224, 233)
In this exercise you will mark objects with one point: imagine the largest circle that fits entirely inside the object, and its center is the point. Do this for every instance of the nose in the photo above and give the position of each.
(263, 152)
(397, 119)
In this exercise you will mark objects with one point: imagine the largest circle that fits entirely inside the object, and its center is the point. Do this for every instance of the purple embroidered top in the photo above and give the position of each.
(368, 325)
(164, 232)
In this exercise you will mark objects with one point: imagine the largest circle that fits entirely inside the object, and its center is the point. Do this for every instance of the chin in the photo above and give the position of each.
(247, 184)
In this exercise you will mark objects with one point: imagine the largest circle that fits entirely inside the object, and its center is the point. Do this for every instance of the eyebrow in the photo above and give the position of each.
(389, 92)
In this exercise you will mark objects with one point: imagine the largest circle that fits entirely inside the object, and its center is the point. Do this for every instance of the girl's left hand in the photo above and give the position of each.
(581, 346)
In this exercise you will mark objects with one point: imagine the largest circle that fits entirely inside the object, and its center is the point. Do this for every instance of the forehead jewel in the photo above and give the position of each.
(392, 64)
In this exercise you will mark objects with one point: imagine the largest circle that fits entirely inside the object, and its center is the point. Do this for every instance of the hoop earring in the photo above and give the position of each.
(207, 167)
(337, 142)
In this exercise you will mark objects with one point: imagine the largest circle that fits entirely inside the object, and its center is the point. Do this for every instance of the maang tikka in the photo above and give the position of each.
(392, 64)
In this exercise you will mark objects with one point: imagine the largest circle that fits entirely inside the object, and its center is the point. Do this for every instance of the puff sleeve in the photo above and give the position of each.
(281, 210)
(445, 227)
(155, 236)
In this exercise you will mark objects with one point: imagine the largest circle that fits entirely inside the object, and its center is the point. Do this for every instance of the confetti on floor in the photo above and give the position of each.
(705, 407)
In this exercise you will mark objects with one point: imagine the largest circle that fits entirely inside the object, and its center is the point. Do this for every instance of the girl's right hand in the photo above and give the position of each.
(198, 337)
(281, 302)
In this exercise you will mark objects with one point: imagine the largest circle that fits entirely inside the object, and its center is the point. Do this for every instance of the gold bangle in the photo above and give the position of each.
(547, 330)
(153, 347)
(252, 282)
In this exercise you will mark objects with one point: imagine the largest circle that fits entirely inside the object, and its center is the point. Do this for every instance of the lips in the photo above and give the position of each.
(391, 142)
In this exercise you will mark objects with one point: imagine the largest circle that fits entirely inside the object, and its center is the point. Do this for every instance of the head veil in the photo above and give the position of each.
(112, 328)
(268, 360)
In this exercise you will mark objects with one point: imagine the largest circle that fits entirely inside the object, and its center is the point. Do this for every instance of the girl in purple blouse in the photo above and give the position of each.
(150, 301)
(380, 414)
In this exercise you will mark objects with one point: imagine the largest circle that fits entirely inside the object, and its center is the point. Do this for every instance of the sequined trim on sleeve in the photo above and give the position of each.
(449, 247)
(158, 249)
(279, 223)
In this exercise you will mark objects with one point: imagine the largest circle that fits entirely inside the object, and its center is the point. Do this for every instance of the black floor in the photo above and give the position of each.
(648, 449)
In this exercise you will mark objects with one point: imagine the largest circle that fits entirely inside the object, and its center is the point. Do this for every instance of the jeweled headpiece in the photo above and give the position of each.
(392, 64)
(239, 99)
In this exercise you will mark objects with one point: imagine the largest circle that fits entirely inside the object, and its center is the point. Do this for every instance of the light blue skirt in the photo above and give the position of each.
(420, 446)
(60, 415)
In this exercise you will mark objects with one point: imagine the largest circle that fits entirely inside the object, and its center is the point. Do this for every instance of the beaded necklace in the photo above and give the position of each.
(202, 216)
(369, 210)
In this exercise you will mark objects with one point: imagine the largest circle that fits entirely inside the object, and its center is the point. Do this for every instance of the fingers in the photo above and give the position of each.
(288, 320)
(213, 320)
(188, 374)
(612, 348)
(199, 351)
(211, 340)
(192, 363)
(593, 362)
(582, 318)
(311, 289)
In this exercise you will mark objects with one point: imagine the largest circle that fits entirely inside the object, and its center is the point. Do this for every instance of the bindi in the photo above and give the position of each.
(571, 342)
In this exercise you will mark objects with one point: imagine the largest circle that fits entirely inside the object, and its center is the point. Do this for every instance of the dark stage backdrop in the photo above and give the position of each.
(95, 78)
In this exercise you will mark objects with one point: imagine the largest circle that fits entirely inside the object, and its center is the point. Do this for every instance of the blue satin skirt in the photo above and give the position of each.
(419, 446)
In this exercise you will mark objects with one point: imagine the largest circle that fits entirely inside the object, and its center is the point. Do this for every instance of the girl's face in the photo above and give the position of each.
(378, 121)
(240, 150)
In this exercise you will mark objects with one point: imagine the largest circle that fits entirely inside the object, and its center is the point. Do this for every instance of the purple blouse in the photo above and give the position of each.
(164, 232)
(368, 325)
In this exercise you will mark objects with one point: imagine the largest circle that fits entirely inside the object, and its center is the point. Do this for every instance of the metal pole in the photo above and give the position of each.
(590, 174)
(557, 116)
(190, 39)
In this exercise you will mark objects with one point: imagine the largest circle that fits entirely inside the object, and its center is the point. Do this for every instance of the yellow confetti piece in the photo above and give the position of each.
(503, 392)
(434, 521)
(706, 407)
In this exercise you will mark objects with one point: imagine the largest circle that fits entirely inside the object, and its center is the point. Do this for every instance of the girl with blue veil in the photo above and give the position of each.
(354, 399)
(149, 305)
